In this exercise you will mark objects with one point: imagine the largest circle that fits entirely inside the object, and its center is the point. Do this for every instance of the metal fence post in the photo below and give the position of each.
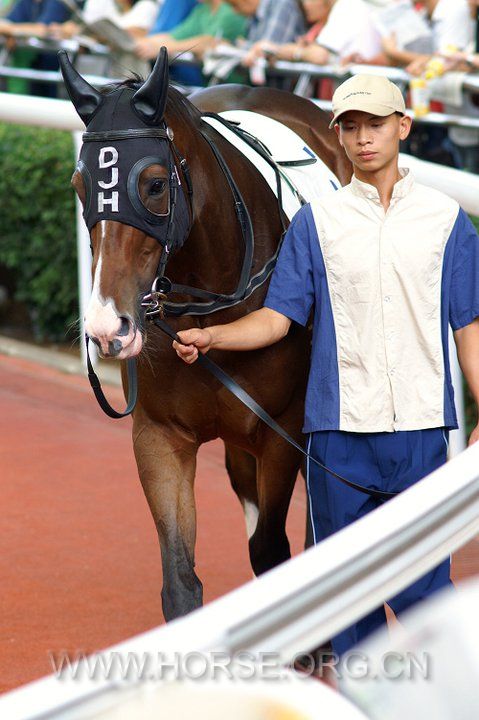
(84, 263)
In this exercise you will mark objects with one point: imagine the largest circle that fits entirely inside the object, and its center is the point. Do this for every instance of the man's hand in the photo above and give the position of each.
(193, 340)
(255, 52)
(148, 48)
(418, 66)
(6, 27)
(467, 343)
(63, 31)
(259, 329)
(389, 45)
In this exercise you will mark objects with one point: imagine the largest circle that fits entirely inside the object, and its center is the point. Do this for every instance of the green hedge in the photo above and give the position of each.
(37, 225)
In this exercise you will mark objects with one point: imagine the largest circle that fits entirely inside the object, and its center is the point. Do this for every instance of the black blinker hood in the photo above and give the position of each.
(125, 134)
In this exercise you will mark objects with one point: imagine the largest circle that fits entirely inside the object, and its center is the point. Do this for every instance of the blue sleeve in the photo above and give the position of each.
(171, 14)
(53, 11)
(291, 290)
(464, 294)
(21, 12)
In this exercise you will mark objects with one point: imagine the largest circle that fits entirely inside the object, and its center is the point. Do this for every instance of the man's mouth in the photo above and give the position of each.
(367, 155)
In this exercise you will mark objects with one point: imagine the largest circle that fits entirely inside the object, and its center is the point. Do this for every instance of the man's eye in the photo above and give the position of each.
(157, 187)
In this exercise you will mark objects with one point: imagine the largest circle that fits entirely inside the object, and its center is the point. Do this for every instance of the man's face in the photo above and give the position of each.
(244, 7)
(371, 142)
(317, 10)
(474, 5)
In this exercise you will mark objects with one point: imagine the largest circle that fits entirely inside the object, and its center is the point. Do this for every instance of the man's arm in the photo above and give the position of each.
(258, 329)
(467, 343)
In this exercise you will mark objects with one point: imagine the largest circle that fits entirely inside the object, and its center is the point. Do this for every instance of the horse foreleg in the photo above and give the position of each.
(278, 467)
(166, 465)
(241, 468)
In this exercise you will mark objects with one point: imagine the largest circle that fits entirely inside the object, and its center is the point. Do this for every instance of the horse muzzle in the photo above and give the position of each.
(120, 339)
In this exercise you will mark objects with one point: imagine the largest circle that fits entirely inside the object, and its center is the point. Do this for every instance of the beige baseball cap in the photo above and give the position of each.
(369, 93)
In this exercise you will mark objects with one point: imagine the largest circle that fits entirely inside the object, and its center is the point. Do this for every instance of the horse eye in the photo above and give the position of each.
(157, 186)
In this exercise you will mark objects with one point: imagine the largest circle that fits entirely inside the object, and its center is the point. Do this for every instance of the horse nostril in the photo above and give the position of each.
(114, 347)
(124, 327)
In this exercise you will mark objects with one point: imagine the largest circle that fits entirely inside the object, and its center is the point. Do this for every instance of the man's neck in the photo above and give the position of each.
(383, 180)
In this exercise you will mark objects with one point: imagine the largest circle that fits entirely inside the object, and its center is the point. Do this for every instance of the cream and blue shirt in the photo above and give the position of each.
(385, 286)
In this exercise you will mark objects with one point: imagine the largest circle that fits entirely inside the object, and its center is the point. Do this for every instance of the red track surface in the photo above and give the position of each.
(79, 557)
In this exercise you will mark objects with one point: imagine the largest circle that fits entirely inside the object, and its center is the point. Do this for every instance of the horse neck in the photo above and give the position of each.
(212, 255)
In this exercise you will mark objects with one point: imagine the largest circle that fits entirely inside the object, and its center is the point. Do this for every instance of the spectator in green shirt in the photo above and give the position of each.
(5, 6)
(208, 22)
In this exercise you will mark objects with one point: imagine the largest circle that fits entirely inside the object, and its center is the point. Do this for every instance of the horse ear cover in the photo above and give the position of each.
(83, 96)
(150, 100)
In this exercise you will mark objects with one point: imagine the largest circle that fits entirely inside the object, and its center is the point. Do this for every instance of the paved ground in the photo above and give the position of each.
(79, 560)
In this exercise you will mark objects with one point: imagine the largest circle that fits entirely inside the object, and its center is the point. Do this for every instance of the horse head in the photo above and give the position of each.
(133, 199)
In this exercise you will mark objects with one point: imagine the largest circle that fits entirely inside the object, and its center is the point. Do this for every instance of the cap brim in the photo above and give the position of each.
(371, 108)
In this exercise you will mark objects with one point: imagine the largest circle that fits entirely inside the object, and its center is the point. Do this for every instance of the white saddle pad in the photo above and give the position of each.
(310, 181)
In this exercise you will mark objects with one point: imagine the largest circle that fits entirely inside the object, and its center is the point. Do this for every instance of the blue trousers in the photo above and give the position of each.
(384, 461)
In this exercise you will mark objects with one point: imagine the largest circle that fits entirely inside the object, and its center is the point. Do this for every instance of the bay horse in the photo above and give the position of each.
(154, 191)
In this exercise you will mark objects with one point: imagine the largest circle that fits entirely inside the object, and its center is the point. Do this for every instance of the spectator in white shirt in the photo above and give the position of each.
(451, 27)
(134, 16)
(348, 29)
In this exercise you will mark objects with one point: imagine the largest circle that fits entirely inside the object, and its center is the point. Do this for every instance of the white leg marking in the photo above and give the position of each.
(251, 513)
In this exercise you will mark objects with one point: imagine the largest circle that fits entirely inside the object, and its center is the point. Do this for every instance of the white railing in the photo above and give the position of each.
(302, 603)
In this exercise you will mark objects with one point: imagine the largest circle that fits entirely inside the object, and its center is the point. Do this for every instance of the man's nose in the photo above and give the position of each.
(363, 136)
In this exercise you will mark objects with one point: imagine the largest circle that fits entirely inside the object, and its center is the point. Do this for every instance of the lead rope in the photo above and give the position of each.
(100, 395)
(231, 385)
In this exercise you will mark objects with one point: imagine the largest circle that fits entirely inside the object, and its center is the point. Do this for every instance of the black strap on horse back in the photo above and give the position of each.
(221, 301)
(100, 395)
(255, 408)
(261, 150)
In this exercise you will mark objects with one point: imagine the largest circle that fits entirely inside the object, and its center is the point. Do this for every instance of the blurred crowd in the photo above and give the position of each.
(427, 38)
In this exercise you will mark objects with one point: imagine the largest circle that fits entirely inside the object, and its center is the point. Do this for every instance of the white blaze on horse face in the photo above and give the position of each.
(101, 319)
(108, 157)
(251, 513)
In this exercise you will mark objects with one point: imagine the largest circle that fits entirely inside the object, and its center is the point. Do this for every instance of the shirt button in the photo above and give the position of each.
(391, 372)
(387, 298)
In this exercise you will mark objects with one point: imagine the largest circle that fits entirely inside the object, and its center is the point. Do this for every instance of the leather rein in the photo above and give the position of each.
(156, 305)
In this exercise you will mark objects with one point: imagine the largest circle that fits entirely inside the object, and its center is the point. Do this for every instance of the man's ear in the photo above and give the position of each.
(337, 130)
(405, 124)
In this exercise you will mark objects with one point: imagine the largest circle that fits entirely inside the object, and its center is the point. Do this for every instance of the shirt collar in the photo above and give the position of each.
(401, 188)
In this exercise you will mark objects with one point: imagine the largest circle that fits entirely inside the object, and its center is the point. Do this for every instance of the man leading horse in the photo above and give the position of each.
(387, 265)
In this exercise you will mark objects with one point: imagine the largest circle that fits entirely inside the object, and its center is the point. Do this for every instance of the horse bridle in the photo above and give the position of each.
(155, 305)
(151, 301)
